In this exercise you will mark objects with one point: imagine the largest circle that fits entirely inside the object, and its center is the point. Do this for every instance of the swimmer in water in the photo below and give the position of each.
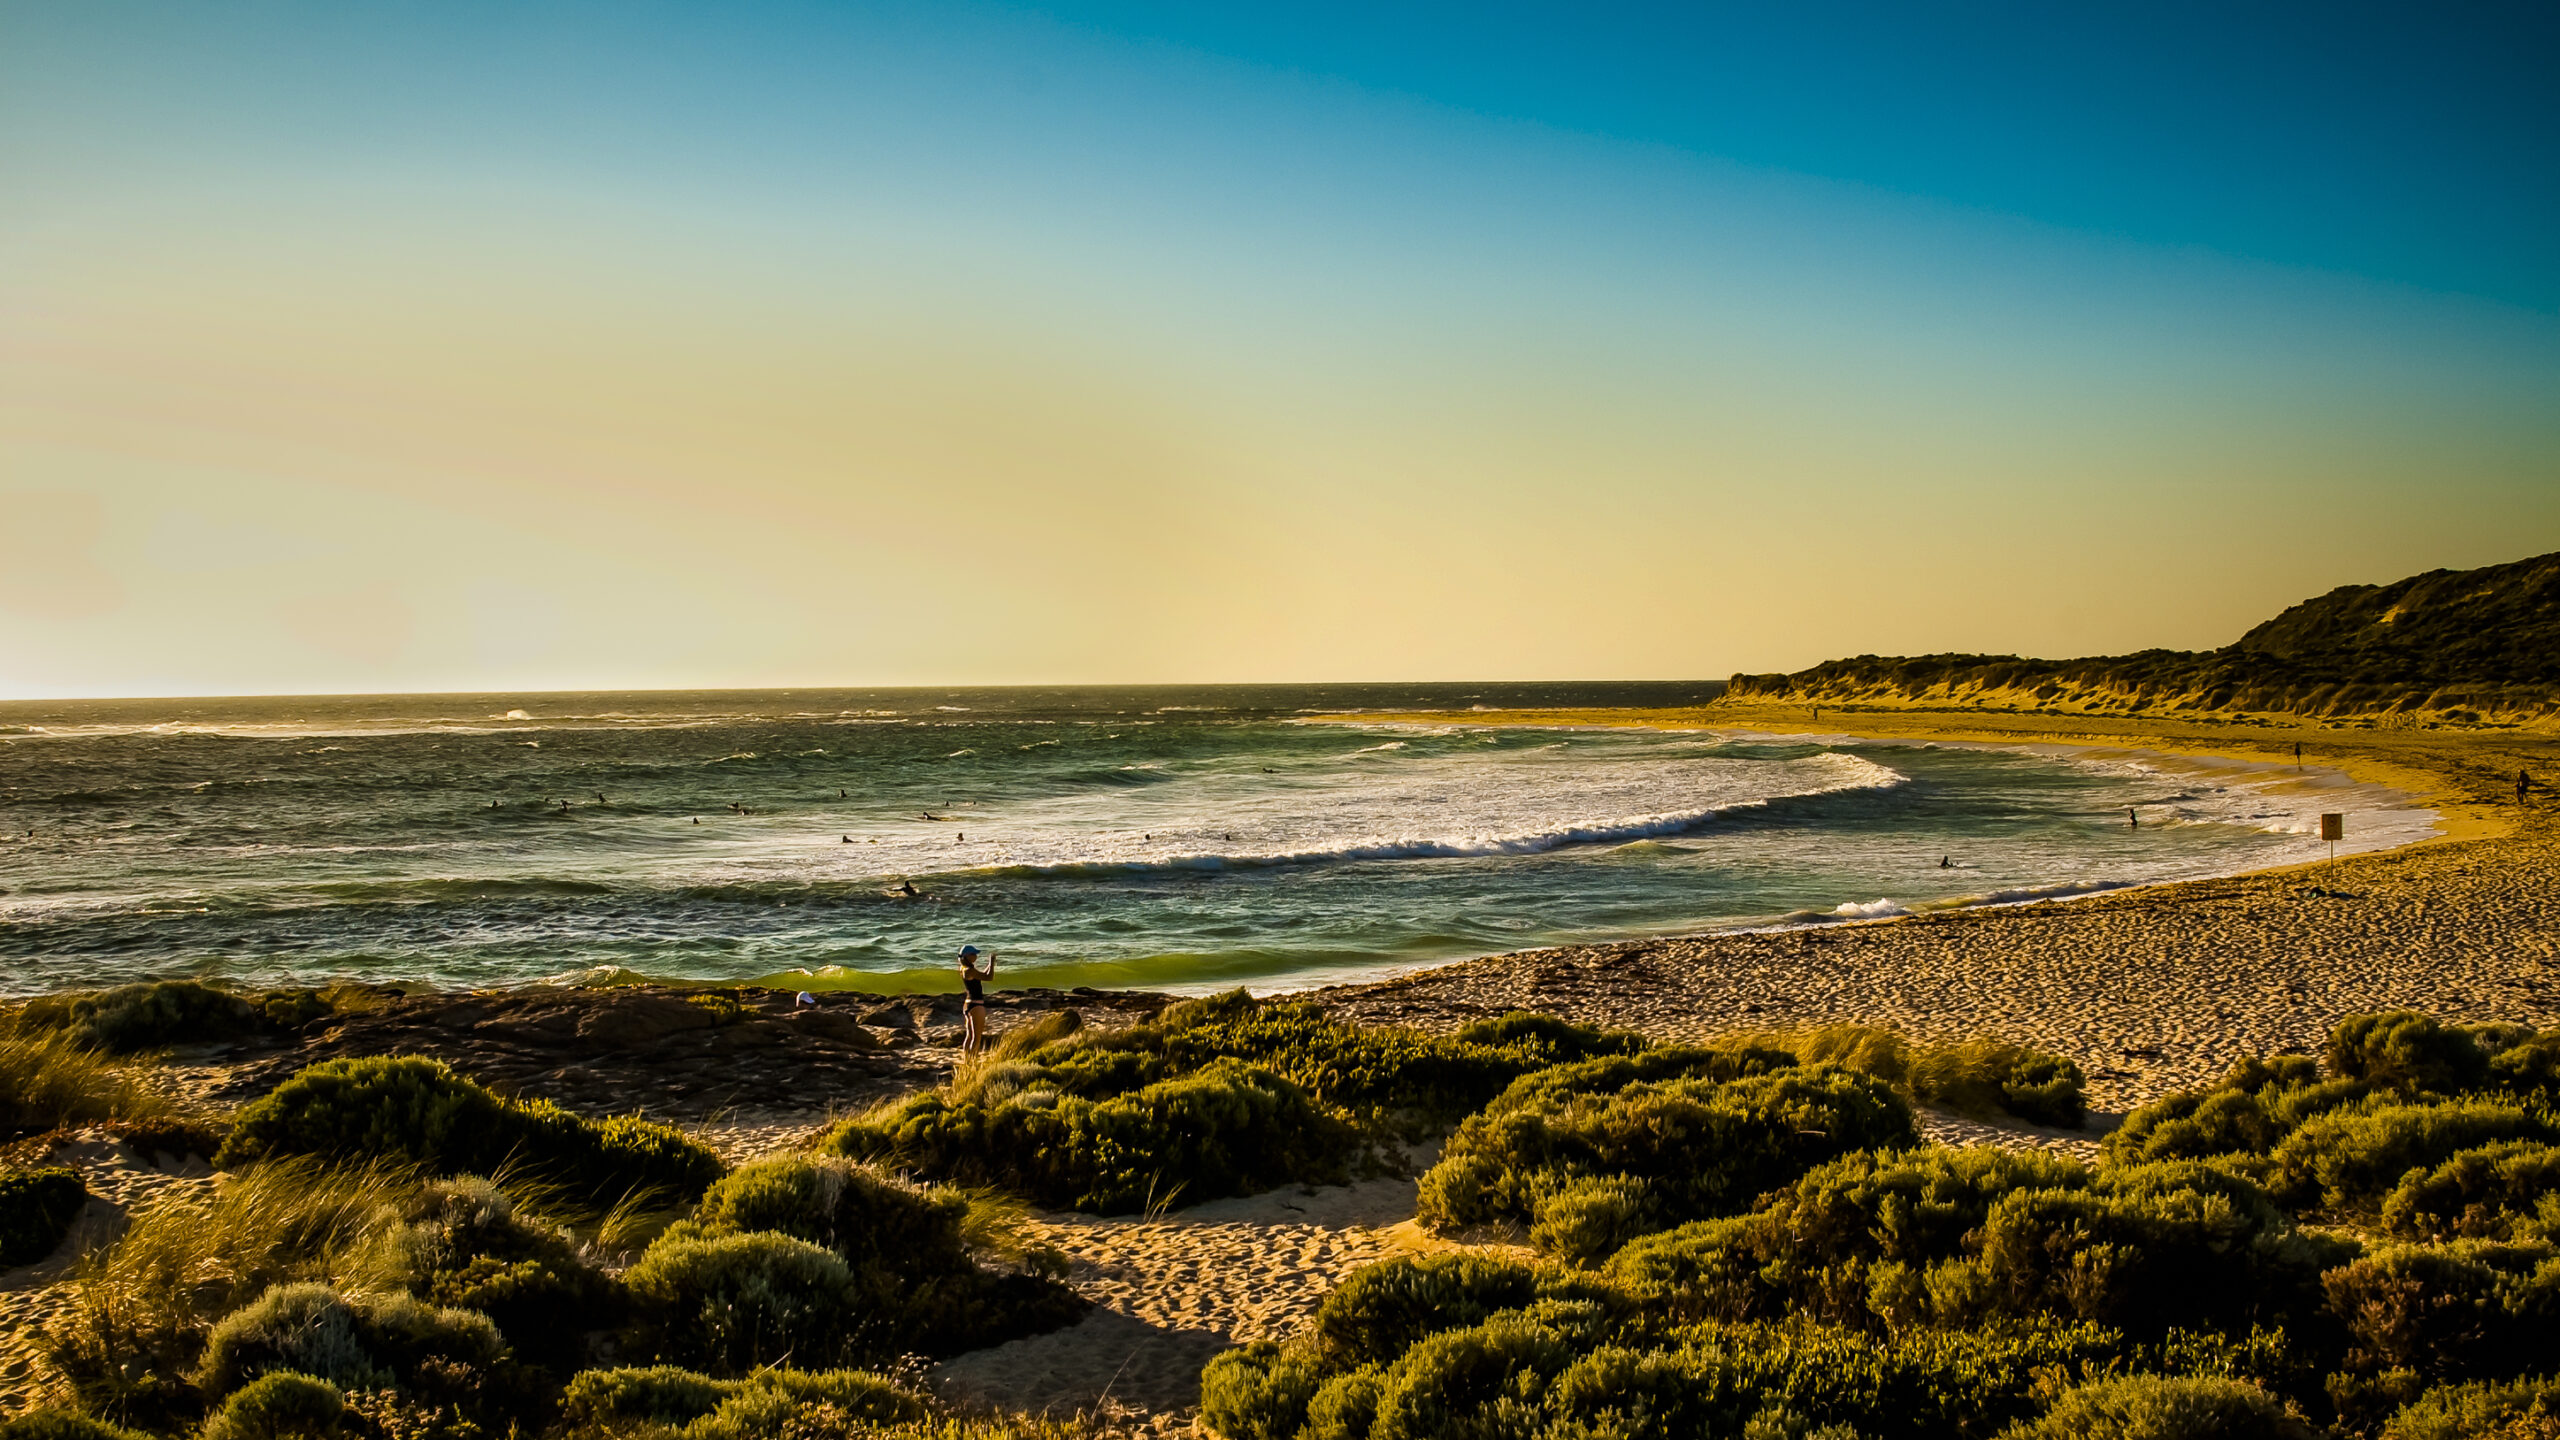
(1946, 862)
(908, 889)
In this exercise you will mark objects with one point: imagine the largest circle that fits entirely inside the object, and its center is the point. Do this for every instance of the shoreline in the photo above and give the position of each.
(2151, 988)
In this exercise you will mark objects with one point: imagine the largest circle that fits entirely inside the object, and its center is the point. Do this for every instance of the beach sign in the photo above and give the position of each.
(2333, 828)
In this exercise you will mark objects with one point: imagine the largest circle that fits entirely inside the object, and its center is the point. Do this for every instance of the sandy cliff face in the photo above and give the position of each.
(2468, 647)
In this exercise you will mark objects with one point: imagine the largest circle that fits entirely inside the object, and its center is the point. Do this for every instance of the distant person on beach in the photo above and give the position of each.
(973, 1016)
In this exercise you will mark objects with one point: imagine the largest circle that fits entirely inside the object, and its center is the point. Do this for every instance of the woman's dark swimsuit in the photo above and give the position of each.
(977, 996)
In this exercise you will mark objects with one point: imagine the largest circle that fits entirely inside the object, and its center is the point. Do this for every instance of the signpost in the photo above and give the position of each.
(2333, 828)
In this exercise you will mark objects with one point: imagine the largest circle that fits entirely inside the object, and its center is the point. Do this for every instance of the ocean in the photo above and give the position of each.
(1188, 838)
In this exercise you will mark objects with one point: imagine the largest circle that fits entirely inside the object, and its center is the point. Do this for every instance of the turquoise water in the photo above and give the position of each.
(1179, 838)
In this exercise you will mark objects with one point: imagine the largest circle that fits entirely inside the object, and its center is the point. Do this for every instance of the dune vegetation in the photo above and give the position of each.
(1743, 1238)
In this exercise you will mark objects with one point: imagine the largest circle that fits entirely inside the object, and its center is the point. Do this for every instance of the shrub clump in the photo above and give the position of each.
(2349, 1160)
(1981, 1076)
(2508, 1410)
(466, 1244)
(767, 1403)
(1984, 1236)
(913, 1271)
(1462, 1345)
(154, 1013)
(283, 1405)
(355, 1342)
(1214, 1097)
(1586, 1166)
(2502, 1191)
(36, 1211)
(2162, 1407)
(417, 1110)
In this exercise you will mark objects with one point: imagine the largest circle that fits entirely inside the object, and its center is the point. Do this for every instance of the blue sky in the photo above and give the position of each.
(370, 346)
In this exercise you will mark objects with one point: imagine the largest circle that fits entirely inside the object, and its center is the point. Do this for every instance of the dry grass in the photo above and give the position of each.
(144, 1304)
(48, 1079)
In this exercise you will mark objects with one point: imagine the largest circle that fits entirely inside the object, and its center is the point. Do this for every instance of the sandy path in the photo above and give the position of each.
(1170, 1292)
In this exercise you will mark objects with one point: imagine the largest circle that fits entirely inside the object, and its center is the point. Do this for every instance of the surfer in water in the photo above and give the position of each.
(973, 1016)
(908, 889)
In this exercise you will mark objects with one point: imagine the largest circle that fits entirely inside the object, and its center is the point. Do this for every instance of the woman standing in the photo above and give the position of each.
(973, 1017)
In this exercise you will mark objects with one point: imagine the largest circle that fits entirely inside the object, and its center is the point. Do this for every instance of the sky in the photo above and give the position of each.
(351, 347)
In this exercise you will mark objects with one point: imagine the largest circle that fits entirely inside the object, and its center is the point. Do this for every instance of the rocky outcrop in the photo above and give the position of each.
(2471, 647)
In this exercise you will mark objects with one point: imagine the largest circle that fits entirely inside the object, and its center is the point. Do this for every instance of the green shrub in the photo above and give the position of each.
(2527, 1066)
(740, 1409)
(2161, 1407)
(280, 1406)
(1548, 1039)
(2253, 1108)
(1604, 1075)
(465, 1244)
(62, 1425)
(1703, 1148)
(1989, 1236)
(36, 1211)
(1978, 1077)
(908, 1253)
(2506, 1190)
(1380, 1311)
(2468, 1309)
(2407, 1052)
(356, 1342)
(2481, 1410)
(1260, 1391)
(728, 1304)
(2348, 1160)
(1227, 1129)
(417, 1110)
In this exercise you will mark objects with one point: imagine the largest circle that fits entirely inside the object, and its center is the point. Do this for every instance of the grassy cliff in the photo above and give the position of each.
(2450, 646)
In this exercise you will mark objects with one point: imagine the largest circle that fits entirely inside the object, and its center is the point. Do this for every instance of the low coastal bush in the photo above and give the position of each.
(416, 1110)
(1983, 1236)
(1585, 1169)
(1215, 1097)
(48, 1079)
(36, 1211)
(2405, 1052)
(1577, 1358)
(467, 1244)
(730, 1303)
(758, 1405)
(2507, 1410)
(2162, 1407)
(354, 1341)
(1981, 1076)
(280, 1406)
(156, 1013)
(913, 1258)
(2507, 1190)
(2351, 1159)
